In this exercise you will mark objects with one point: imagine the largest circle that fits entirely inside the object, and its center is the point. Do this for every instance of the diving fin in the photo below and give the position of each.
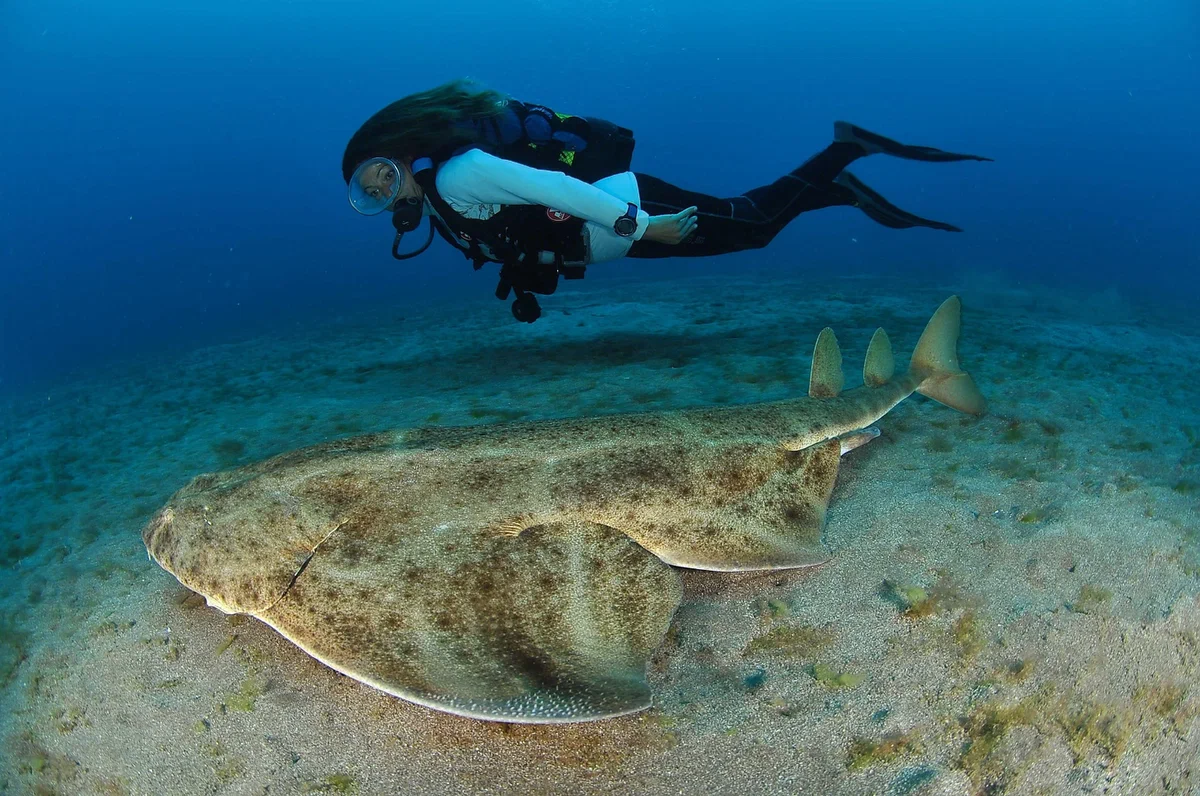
(881, 210)
(875, 144)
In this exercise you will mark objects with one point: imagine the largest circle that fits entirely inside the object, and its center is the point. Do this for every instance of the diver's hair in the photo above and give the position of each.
(422, 124)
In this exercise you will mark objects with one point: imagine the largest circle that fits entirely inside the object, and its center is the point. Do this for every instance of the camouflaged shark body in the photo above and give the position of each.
(524, 571)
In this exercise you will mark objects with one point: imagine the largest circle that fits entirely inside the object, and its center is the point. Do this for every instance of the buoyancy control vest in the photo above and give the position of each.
(534, 244)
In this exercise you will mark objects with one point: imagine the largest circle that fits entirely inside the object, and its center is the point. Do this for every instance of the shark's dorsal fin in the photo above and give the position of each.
(880, 365)
(826, 379)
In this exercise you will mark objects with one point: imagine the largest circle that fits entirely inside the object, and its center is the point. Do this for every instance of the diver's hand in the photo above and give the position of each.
(671, 229)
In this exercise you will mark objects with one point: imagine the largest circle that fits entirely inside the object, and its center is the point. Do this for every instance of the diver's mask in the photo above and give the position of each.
(375, 187)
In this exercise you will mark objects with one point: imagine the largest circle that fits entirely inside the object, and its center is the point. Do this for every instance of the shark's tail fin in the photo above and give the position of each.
(936, 361)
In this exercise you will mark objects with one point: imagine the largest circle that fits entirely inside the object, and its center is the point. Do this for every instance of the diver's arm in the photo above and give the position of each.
(475, 177)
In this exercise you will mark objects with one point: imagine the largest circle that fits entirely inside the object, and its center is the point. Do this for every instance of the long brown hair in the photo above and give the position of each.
(422, 123)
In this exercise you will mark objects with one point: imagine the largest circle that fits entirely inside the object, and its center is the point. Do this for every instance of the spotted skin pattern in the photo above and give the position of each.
(525, 572)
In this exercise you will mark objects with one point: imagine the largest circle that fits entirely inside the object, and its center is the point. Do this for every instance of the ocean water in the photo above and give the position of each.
(1009, 603)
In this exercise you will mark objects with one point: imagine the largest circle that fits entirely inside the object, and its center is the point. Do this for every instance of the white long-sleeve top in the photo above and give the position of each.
(477, 185)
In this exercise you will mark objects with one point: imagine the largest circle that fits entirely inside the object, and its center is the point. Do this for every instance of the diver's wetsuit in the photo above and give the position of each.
(752, 220)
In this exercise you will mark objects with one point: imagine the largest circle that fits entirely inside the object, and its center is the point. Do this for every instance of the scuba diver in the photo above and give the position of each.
(545, 194)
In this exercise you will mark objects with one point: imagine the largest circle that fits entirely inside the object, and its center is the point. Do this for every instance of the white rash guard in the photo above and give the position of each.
(477, 186)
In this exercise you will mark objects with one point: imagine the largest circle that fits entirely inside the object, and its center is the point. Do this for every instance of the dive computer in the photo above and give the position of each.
(626, 225)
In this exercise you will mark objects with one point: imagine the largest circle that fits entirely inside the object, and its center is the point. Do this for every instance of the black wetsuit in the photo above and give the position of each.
(753, 219)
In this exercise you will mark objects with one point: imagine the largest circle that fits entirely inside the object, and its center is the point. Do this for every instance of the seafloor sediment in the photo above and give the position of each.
(1011, 606)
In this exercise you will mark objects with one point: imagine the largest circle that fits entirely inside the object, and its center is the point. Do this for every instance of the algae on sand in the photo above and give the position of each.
(791, 641)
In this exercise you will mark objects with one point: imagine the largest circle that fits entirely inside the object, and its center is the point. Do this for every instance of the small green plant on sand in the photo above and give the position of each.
(1096, 726)
(864, 752)
(243, 701)
(334, 783)
(226, 644)
(229, 770)
(1087, 727)
(769, 608)
(917, 602)
(342, 783)
(1040, 514)
(1091, 599)
(968, 636)
(791, 641)
(831, 678)
(986, 727)
(1167, 700)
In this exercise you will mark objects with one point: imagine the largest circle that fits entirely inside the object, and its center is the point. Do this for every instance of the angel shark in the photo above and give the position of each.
(525, 572)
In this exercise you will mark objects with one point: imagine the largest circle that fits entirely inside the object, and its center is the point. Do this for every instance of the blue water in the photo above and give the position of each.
(171, 170)
(171, 179)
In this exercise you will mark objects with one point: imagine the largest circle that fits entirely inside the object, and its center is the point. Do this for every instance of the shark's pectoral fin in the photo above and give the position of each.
(777, 524)
(556, 624)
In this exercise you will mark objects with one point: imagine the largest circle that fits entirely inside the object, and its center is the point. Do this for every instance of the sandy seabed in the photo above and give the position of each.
(1011, 604)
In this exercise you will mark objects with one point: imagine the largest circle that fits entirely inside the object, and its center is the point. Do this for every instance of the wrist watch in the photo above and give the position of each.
(626, 225)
